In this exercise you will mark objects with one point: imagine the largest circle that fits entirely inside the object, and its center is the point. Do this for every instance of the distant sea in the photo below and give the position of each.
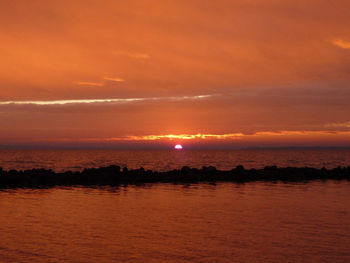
(163, 160)
(223, 222)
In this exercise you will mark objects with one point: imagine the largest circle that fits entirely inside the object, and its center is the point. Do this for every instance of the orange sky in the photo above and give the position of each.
(110, 72)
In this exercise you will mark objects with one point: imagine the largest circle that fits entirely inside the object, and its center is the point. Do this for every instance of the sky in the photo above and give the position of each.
(153, 73)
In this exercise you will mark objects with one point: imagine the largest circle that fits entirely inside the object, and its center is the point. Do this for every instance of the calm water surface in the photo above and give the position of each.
(253, 222)
(162, 160)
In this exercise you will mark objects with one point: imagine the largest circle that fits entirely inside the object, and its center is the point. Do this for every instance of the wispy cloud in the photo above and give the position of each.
(226, 136)
(177, 137)
(138, 55)
(114, 79)
(109, 100)
(339, 125)
(101, 83)
(341, 43)
(86, 83)
(134, 55)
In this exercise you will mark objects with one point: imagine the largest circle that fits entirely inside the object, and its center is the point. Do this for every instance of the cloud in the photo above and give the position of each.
(85, 83)
(339, 125)
(341, 43)
(99, 84)
(139, 55)
(134, 55)
(181, 137)
(226, 136)
(110, 100)
(114, 79)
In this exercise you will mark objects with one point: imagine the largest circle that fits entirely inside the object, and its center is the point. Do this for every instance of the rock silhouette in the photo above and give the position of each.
(113, 175)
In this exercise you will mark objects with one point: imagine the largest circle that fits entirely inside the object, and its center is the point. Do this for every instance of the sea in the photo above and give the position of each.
(203, 222)
(164, 160)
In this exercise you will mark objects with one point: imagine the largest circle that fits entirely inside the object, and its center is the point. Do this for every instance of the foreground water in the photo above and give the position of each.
(163, 160)
(253, 222)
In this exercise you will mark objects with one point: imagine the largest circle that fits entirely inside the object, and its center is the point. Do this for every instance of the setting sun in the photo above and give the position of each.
(98, 96)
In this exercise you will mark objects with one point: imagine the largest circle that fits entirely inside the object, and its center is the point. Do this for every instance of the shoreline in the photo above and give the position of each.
(115, 175)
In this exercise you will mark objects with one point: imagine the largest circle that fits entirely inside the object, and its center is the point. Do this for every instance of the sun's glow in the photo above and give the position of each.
(178, 147)
(186, 136)
(266, 135)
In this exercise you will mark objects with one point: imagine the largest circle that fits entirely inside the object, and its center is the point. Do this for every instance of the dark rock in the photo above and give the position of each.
(111, 175)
